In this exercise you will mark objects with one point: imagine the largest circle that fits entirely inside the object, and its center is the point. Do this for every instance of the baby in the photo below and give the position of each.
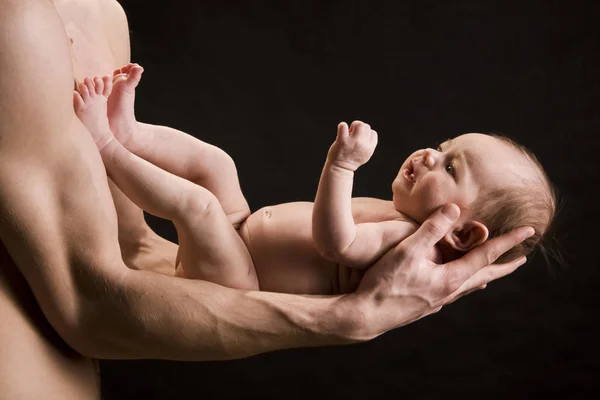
(303, 247)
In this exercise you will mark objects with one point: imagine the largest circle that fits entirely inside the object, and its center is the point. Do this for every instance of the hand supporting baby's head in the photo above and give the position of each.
(498, 184)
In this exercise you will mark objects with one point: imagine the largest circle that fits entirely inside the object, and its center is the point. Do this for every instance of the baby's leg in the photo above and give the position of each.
(209, 247)
(173, 150)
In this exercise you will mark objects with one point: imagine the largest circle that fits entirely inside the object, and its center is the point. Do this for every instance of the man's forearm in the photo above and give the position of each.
(145, 315)
(334, 229)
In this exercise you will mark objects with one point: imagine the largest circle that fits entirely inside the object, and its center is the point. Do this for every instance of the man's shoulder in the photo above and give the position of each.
(36, 85)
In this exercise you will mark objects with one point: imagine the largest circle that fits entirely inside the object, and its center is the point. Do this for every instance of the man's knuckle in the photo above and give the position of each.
(434, 229)
(493, 255)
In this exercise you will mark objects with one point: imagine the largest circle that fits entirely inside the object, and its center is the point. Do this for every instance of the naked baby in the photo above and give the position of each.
(320, 247)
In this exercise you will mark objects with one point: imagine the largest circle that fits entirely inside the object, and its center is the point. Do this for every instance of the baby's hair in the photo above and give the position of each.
(530, 203)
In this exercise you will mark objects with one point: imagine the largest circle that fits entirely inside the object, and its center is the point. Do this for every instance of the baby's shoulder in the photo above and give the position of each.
(408, 223)
(403, 226)
(369, 209)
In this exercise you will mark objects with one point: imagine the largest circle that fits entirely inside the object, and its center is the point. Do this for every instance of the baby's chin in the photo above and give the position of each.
(411, 209)
(440, 253)
(410, 212)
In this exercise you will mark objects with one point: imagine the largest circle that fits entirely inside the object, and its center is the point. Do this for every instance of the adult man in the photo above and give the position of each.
(60, 260)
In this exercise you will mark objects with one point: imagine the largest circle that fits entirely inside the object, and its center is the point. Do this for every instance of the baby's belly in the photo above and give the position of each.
(280, 241)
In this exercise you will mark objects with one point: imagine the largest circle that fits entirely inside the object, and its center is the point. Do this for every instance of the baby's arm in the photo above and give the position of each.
(335, 233)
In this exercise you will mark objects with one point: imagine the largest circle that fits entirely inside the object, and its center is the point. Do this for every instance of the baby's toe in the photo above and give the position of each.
(83, 90)
(107, 81)
(78, 102)
(90, 85)
(99, 85)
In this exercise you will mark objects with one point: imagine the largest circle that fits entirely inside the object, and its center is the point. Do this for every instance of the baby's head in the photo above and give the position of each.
(498, 184)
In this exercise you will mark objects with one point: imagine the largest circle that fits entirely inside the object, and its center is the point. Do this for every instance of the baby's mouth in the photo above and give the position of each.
(408, 173)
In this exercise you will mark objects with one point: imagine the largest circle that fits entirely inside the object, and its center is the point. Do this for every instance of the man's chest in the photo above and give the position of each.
(86, 26)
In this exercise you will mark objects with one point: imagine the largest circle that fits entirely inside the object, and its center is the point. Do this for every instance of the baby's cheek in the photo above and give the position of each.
(435, 194)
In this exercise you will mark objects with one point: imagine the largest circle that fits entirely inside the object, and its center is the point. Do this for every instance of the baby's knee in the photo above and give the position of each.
(226, 166)
(200, 202)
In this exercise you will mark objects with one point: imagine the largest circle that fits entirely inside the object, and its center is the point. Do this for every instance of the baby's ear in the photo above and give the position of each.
(467, 236)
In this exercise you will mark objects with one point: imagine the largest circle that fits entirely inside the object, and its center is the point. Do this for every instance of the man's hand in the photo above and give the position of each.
(404, 285)
(353, 147)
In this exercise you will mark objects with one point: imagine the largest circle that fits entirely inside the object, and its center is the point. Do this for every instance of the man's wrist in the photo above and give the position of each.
(352, 315)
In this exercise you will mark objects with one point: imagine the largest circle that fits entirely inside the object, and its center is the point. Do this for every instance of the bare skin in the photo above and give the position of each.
(279, 238)
(35, 361)
(208, 243)
(298, 247)
(59, 232)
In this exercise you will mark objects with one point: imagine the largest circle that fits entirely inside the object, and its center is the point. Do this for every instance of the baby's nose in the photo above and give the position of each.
(429, 158)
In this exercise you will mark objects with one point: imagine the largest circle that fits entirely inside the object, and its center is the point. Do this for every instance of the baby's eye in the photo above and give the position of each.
(451, 170)
(439, 148)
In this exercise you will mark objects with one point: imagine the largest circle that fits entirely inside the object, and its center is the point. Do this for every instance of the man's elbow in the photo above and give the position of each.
(88, 339)
(92, 325)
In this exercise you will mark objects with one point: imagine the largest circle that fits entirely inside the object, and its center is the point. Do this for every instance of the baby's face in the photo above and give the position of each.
(455, 172)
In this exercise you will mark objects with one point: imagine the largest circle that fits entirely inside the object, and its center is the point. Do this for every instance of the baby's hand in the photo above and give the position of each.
(353, 147)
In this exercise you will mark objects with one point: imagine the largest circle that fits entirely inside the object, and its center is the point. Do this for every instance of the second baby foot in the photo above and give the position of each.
(90, 104)
(121, 114)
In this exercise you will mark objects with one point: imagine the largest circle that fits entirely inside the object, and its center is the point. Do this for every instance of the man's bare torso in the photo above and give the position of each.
(34, 361)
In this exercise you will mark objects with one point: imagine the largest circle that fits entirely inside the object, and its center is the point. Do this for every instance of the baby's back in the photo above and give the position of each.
(286, 260)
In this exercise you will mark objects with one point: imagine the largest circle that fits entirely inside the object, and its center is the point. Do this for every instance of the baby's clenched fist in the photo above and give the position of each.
(353, 146)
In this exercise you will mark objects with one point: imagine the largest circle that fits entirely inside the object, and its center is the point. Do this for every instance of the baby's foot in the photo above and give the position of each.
(89, 101)
(121, 114)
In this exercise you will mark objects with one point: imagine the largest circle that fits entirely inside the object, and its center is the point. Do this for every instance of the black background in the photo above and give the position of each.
(268, 81)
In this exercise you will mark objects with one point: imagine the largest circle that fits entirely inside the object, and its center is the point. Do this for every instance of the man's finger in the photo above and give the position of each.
(488, 274)
(466, 266)
(434, 228)
(459, 295)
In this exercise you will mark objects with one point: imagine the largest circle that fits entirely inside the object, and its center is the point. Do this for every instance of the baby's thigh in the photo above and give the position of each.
(211, 249)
